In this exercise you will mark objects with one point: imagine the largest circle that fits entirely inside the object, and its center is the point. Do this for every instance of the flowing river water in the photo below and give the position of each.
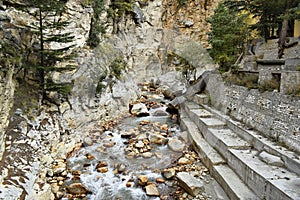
(137, 159)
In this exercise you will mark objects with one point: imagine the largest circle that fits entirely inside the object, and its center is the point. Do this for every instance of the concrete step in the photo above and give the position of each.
(208, 155)
(234, 187)
(200, 99)
(268, 182)
(230, 182)
(224, 139)
(258, 141)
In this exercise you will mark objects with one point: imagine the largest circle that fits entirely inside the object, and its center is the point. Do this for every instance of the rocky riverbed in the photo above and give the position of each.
(142, 154)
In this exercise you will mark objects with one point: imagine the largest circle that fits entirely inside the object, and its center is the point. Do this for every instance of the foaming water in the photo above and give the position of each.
(113, 185)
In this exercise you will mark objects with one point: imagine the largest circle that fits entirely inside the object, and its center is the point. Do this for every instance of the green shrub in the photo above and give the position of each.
(295, 91)
(269, 85)
(117, 66)
(248, 80)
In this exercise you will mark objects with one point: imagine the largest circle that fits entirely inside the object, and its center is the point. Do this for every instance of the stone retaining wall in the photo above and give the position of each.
(275, 115)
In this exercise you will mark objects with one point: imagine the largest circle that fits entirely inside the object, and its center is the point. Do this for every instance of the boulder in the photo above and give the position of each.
(184, 161)
(168, 173)
(190, 183)
(176, 145)
(142, 180)
(151, 190)
(139, 110)
(77, 189)
(158, 139)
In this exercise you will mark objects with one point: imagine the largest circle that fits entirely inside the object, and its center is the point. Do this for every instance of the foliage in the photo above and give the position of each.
(116, 67)
(227, 36)
(268, 13)
(295, 91)
(50, 28)
(183, 65)
(120, 7)
(97, 27)
(247, 80)
(269, 85)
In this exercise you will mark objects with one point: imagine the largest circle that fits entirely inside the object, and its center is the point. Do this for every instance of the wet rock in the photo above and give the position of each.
(121, 168)
(77, 189)
(87, 141)
(168, 173)
(160, 180)
(145, 122)
(90, 156)
(190, 183)
(139, 110)
(184, 161)
(184, 136)
(160, 113)
(151, 190)
(176, 145)
(129, 184)
(127, 134)
(139, 144)
(101, 164)
(158, 139)
(102, 169)
(108, 144)
(54, 188)
(142, 180)
(147, 155)
(164, 127)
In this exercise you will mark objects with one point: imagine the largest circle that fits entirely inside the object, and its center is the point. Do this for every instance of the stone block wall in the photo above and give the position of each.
(275, 115)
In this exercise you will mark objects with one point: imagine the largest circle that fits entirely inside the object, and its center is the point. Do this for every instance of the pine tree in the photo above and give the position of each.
(227, 36)
(50, 29)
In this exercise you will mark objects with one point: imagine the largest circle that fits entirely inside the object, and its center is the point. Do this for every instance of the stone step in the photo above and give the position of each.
(291, 159)
(208, 155)
(268, 182)
(234, 187)
(200, 98)
(224, 139)
(230, 182)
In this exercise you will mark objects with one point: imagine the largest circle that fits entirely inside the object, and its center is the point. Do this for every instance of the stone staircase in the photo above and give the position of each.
(246, 164)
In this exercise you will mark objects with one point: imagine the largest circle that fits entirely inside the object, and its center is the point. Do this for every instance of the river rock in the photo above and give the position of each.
(184, 161)
(139, 110)
(77, 189)
(169, 173)
(87, 141)
(147, 155)
(158, 139)
(139, 144)
(142, 180)
(151, 190)
(190, 183)
(101, 164)
(176, 145)
(102, 169)
(121, 168)
(160, 113)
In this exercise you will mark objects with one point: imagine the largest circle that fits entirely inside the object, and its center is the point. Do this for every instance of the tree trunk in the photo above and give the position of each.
(282, 38)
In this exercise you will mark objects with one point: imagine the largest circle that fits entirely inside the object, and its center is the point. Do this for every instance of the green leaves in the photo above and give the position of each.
(228, 33)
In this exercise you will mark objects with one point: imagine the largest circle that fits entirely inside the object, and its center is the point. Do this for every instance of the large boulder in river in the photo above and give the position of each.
(158, 139)
(139, 110)
(176, 145)
(77, 189)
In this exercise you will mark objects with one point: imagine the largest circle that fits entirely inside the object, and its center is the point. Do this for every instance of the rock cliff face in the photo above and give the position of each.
(141, 49)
